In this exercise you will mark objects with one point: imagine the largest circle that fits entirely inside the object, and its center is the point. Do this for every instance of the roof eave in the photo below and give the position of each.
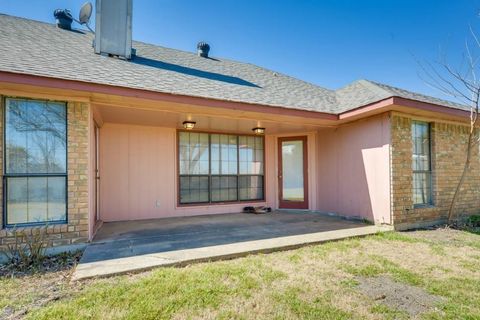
(55, 83)
(384, 105)
(392, 103)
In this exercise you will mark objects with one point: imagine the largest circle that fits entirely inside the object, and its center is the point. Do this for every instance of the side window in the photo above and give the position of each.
(421, 163)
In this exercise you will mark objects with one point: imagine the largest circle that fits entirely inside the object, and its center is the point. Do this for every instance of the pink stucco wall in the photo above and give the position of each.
(354, 170)
(348, 172)
(138, 175)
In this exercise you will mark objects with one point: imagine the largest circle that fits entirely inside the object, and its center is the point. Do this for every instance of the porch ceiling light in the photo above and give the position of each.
(258, 130)
(189, 125)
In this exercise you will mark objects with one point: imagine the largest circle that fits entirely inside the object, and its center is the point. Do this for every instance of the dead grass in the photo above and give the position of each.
(317, 282)
(404, 298)
(19, 295)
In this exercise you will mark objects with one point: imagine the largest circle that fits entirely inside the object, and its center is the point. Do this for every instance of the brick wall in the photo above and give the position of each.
(76, 231)
(448, 157)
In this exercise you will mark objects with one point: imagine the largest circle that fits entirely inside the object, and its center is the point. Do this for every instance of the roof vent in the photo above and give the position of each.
(202, 49)
(63, 18)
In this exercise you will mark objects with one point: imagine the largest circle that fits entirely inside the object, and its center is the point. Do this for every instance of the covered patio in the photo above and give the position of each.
(164, 193)
(121, 247)
(147, 167)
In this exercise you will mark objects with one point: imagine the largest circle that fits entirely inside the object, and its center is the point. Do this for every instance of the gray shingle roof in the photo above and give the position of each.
(363, 92)
(32, 47)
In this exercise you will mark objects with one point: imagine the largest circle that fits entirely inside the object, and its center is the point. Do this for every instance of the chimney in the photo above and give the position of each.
(202, 49)
(113, 28)
(63, 18)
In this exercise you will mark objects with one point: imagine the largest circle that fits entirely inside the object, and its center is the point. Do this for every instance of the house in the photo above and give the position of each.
(91, 138)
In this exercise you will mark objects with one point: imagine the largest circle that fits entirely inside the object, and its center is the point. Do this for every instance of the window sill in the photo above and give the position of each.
(423, 206)
(219, 204)
(35, 225)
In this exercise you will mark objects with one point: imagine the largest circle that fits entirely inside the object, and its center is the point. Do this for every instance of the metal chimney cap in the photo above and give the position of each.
(202, 49)
(63, 18)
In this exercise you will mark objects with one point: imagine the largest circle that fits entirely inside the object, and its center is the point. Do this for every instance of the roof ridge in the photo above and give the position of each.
(387, 87)
(373, 86)
(51, 24)
(296, 79)
(27, 19)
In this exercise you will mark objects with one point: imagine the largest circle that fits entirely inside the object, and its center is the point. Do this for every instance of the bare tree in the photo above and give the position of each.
(461, 83)
(43, 128)
(49, 119)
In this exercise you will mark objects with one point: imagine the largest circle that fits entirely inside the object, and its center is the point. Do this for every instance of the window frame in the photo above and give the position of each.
(210, 175)
(428, 172)
(6, 175)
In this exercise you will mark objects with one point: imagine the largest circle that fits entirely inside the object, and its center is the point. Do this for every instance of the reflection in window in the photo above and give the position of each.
(224, 154)
(193, 189)
(251, 187)
(421, 163)
(229, 166)
(251, 155)
(194, 157)
(35, 161)
(224, 188)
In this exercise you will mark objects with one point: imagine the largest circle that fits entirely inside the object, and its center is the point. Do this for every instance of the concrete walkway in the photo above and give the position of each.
(134, 246)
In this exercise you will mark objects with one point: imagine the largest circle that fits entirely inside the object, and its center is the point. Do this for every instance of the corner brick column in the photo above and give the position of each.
(449, 141)
(401, 168)
(77, 231)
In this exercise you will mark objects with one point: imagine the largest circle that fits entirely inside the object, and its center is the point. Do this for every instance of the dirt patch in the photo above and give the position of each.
(442, 235)
(28, 287)
(403, 297)
(55, 263)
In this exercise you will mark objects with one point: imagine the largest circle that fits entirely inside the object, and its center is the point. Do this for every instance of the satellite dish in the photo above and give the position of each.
(85, 13)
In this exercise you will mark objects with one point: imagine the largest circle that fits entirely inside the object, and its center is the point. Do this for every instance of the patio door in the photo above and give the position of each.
(292, 173)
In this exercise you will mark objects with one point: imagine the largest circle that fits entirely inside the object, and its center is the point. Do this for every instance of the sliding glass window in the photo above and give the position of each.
(35, 163)
(220, 167)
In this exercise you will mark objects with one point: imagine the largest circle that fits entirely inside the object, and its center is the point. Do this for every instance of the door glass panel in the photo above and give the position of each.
(292, 170)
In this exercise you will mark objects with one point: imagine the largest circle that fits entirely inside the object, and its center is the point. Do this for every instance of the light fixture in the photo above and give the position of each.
(189, 125)
(258, 130)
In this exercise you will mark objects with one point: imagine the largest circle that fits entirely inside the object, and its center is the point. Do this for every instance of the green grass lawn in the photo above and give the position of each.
(317, 282)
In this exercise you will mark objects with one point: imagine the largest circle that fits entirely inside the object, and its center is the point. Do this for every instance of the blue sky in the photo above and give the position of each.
(329, 42)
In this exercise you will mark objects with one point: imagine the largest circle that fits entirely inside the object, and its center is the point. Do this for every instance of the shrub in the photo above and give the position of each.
(27, 249)
(474, 221)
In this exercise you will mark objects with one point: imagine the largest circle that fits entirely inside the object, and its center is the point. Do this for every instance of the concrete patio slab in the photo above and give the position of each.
(141, 245)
